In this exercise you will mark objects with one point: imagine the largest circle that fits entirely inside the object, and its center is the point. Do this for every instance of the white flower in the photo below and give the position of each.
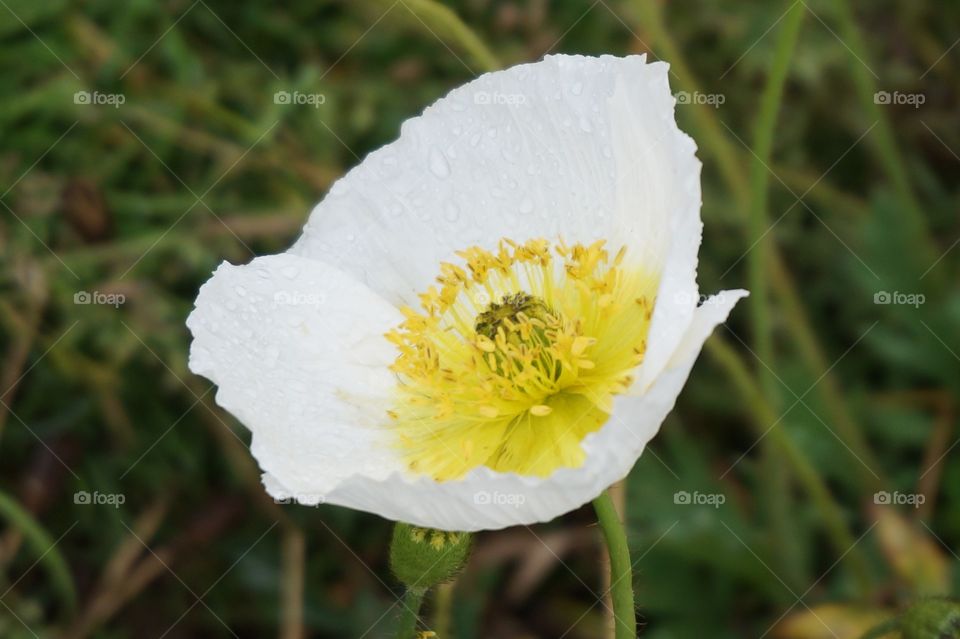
(486, 321)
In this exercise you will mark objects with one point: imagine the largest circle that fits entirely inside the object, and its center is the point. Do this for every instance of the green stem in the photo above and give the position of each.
(833, 517)
(882, 139)
(621, 570)
(728, 160)
(443, 608)
(706, 121)
(869, 471)
(759, 258)
(442, 22)
(410, 613)
(776, 493)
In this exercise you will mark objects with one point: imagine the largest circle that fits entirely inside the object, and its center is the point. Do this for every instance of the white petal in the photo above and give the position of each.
(485, 500)
(591, 151)
(574, 147)
(297, 350)
(709, 315)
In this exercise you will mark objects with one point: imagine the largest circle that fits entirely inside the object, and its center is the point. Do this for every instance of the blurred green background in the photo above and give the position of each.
(142, 144)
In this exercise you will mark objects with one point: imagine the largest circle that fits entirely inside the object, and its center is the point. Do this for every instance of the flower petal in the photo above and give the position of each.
(486, 500)
(296, 348)
(709, 315)
(574, 147)
(571, 147)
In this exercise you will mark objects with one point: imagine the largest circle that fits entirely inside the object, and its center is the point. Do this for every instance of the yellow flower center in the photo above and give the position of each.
(515, 357)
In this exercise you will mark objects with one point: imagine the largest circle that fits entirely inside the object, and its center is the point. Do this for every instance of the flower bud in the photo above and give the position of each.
(933, 618)
(423, 557)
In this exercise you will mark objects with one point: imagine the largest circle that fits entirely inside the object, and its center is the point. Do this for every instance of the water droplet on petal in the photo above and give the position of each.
(438, 164)
(452, 212)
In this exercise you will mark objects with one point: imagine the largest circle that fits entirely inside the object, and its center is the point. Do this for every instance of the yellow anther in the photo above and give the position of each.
(488, 411)
(516, 346)
(581, 344)
(486, 344)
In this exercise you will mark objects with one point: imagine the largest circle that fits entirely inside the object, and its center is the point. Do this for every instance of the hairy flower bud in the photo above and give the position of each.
(423, 557)
(933, 618)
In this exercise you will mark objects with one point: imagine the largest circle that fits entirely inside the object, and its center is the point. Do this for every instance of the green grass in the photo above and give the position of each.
(199, 164)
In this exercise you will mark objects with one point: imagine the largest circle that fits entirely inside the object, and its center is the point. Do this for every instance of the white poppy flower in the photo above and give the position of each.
(485, 322)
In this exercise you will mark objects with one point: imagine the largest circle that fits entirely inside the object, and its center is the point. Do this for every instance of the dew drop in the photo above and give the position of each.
(452, 212)
(438, 163)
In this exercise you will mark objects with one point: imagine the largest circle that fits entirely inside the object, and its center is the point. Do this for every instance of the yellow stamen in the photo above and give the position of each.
(516, 356)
